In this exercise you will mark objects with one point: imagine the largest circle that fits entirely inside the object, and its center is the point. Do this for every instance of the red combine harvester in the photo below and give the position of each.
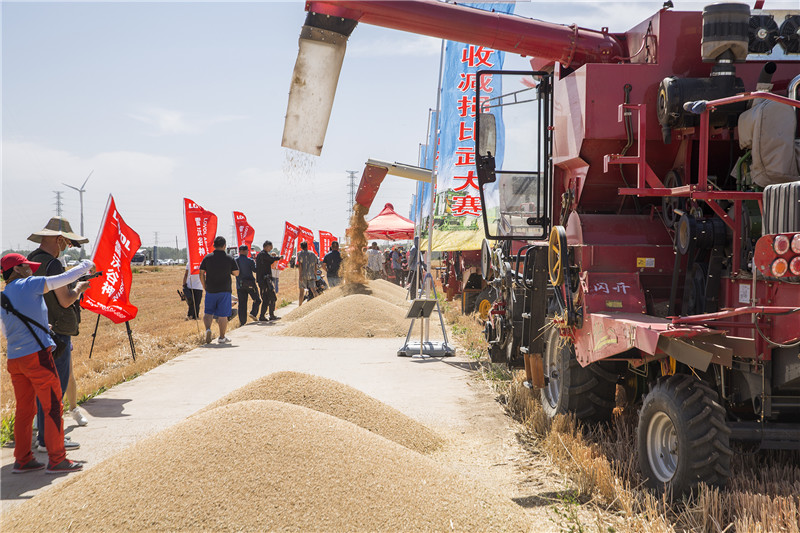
(654, 241)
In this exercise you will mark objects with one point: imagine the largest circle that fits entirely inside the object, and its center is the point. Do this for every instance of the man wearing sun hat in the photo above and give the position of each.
(63, 306)
(30, 360)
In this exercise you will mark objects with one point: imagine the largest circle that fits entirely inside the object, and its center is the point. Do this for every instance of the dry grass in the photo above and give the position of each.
(602, 465)
(160, 333)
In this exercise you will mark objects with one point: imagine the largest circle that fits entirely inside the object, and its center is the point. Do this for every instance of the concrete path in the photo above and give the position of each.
(441, 393)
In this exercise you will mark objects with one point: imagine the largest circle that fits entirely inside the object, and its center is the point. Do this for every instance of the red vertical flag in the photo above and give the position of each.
(201, 228)
(112, 255)
(325, 240)
(289, 236)
(244, 231)
(306, 235)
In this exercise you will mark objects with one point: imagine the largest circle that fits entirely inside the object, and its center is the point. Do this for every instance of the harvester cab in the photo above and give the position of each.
(648, 219)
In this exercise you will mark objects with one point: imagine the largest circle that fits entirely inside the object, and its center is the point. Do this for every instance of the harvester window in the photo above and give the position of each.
(513, 147)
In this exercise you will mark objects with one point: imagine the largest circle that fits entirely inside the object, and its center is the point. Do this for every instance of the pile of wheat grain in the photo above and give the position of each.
(382, 289)
(354, 316)
(267, 466)
(339, 400)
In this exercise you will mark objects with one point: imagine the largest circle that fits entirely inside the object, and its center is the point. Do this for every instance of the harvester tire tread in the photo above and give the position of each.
(700, 436)
(588, 392)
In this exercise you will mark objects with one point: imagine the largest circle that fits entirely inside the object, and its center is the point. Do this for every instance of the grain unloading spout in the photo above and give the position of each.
(374, 173)
(329, 23)
(322, 44)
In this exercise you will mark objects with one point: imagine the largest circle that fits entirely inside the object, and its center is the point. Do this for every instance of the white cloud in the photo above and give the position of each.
(172, 122)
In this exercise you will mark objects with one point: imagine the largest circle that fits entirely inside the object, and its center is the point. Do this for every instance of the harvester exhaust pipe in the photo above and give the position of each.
(323, 40)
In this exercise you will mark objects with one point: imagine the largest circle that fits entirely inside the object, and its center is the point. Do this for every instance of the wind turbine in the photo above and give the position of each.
(81, 190)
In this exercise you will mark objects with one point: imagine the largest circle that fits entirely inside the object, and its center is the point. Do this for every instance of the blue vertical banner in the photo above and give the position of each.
(457, 220)
(427, 159)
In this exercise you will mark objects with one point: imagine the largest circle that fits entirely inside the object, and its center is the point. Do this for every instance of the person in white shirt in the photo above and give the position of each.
(193, 291)
(374, 262)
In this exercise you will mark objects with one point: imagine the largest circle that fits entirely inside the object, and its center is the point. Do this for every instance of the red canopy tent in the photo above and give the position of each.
(390, 226)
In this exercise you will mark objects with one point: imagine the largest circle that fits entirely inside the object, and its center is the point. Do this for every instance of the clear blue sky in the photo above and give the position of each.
(166, 100)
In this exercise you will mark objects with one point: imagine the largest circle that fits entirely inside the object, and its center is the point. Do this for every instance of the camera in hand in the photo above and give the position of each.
(87, 277)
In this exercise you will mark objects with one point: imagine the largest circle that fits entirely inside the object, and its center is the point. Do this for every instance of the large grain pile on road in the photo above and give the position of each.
(377, 309)
(266, 466)
(339, 400)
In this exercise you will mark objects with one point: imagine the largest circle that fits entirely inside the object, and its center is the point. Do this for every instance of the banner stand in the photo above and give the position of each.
(422, 308)
(94, 336)
(130, 337)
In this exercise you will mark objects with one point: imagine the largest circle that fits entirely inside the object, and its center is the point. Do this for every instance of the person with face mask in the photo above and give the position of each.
(30, 359)
(63, 312)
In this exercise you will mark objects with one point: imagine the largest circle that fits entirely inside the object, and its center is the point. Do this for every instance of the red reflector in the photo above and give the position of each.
(781, 244)
(794, 266)
(796, 243)
(779, 267)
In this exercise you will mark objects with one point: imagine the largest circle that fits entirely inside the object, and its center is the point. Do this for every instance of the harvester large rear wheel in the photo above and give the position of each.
(682, 436)
(589, 392)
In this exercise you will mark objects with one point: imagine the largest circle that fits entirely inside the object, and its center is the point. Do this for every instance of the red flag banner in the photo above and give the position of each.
(201, 228)
(325, 240)
(113, 251)
(289, 236)
(244, 231)
(306, 235)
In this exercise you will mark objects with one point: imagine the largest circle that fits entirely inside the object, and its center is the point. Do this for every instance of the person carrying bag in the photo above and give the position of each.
(30, 360)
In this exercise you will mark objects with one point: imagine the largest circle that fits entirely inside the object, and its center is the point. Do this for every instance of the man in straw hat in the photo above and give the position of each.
(30, 360)
(63, 311)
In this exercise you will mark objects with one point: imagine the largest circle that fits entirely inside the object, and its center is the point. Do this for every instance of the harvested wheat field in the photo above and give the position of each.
(267, 466)
(357, 315)
(339, 400)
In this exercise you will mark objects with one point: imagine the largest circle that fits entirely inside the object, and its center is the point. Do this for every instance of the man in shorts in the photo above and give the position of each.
(216, 270)
(307, 264)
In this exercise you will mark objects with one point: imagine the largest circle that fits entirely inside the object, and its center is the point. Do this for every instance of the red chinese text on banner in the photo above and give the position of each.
(244, 231)
(289, 236)
(201, 228)
(306, 235)
(109, 295)
(325, 240)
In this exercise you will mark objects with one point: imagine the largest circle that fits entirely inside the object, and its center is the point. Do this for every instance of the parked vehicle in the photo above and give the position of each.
(651, 251)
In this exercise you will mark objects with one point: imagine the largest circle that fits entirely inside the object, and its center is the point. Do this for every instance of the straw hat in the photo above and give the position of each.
(58, 226)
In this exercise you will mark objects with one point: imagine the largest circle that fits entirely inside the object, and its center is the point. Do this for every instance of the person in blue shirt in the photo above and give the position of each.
(331, 262)
(30, 360)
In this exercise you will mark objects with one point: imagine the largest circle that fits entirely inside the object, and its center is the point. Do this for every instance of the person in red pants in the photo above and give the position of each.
(30, 360)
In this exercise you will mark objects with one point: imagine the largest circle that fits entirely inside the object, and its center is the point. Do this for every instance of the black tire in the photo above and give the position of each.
(513, 357)
(497, 355)
(588, 392)
(682, 416)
